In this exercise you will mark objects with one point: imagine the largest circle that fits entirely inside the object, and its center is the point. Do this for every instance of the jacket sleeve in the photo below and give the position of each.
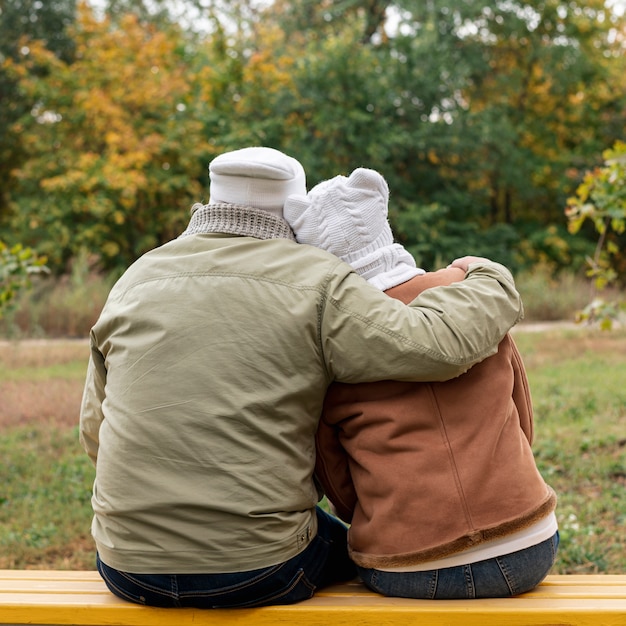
(367, 336)
(521, 393)
(333, 472)
(91, 415)
(332, 468)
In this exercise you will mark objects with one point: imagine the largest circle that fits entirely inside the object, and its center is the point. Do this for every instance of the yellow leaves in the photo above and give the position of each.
(114, 139)
(267, 73)
(555, 241)
(433, 157)
(116, 105)
(110, 249)
(84, 177)
(34, 57)
(577, 214)
(115, 102)
(130, 67)
(17, 264)
(600, 199)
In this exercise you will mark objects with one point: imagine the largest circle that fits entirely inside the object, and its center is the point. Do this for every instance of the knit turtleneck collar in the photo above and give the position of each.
(235, 219)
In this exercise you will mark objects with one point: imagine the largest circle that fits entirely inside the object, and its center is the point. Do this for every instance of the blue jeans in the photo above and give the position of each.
(325, 561)
(500, 577)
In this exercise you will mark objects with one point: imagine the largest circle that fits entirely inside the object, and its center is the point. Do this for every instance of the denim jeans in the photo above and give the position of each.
(324, 562)
(500, 577)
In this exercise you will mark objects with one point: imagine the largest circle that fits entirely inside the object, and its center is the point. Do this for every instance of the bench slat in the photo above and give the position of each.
(554, 586)
(316, 613)
(55, 587)
(48, 574)
(81, 598)
(92, 575)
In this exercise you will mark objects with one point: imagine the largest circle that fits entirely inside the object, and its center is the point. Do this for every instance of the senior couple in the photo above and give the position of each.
(283, 348)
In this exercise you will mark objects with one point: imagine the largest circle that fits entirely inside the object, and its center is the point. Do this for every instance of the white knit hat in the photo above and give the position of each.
(348, 217)
(256, 177)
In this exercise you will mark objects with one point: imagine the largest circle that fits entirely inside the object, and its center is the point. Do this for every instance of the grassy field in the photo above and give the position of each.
(577, 381)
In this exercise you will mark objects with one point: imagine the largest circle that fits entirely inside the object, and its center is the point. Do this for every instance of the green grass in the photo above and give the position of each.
(74, 371)
(577, 382)
(44, 502)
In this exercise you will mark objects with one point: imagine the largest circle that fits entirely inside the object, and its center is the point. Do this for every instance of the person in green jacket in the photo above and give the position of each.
(208, 369)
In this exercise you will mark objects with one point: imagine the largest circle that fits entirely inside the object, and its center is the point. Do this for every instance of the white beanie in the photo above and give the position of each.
(255, 177)
(348, 217)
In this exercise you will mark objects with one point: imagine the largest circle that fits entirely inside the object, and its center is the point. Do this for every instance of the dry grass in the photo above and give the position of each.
(55, 402)
(40, 353)
(562, 342)
(41, 381)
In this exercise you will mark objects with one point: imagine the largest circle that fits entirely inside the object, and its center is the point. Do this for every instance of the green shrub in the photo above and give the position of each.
(17, 265)
(63, 306)
(550, 297)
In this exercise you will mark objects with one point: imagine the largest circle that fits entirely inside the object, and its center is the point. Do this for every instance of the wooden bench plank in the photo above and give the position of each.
(315, 613)
(560, 579)
(81, 598)
(85, 582)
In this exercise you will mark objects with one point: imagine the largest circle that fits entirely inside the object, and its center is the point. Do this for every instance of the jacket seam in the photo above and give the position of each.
(424, 350)
(455, 470)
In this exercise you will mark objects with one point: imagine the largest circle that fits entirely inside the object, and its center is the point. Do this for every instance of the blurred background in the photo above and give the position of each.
(499, 126)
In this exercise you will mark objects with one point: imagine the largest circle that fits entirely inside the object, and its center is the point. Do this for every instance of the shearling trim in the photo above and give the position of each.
(458, 545)
(235, 219)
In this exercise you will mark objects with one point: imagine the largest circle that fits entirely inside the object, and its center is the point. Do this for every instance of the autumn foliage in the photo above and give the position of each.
(483, 117)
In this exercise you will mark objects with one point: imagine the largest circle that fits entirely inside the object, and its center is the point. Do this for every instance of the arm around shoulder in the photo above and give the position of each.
(367, 336)
(471, 317)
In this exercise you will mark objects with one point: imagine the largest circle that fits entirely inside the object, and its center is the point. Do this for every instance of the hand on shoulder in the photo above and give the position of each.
(465, 261)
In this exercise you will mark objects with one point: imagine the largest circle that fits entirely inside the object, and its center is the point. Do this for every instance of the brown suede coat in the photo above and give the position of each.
(426, 470)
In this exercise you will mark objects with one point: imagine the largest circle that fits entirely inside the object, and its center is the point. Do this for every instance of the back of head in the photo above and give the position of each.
(256, 177)
(347, 216)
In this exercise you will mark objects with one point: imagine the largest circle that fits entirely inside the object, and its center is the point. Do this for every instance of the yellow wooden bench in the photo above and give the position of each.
(81, 598)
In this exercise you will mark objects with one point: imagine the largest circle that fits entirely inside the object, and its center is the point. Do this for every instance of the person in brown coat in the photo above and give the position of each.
(438, 480)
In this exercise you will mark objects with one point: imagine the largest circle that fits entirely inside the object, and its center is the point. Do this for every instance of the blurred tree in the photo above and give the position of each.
(487, 110)
(196, 17)
(17, 265)
(47, 21)
(532, 112)
(482, 116)
(115, 152)
(329, 16)
(601, 200)
(152, 11)
(360, 97)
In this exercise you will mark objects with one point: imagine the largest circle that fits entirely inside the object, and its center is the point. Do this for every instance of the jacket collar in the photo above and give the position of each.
(235, 219)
